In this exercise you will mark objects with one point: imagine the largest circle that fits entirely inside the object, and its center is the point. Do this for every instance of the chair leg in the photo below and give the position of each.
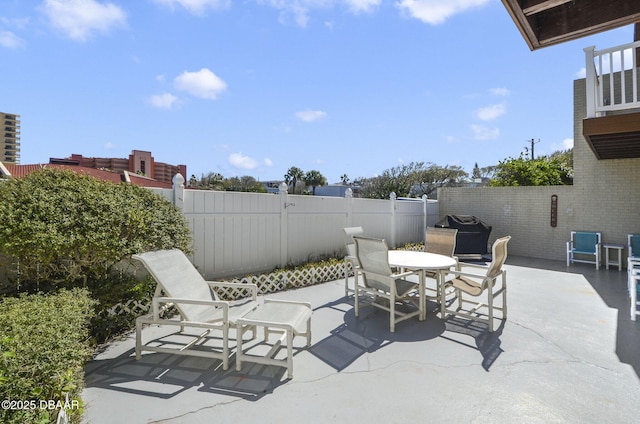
(490, 305)
(138, 339)
(356, 295)
(346, 278)
(225, 346)
(634, 297)
(392, 314)
(504, 295)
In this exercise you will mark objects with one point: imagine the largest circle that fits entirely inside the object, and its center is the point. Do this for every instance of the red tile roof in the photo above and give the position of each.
(20, 171)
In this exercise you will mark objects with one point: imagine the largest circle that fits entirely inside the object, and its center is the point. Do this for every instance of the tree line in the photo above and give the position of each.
(416, 178)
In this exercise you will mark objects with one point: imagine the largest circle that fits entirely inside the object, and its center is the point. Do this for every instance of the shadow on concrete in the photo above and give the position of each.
(370, 332)
(165, 376)
(611, 286)
(488, 344)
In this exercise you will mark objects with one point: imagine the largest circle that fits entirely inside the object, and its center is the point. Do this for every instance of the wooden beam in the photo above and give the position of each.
(544, 23)
(532, 7)
(579, 19)
(612, 124)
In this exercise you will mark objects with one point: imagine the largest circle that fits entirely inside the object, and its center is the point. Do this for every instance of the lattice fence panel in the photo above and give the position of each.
(267, 283)
(133, 306)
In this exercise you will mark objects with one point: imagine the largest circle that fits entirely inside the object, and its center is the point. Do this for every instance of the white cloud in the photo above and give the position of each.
(109, 146)
(500, 91)
(566, 144)
(163, 101)
(203, 84)
(10, 40)
(489, 113)
(80, 19)
(483, 133)
(582, 73)
(436, 11)
(297, 11)
(197, 7)
(268, 162)
(18, 23)
(357, 6)
(241, 161)
(311, 115)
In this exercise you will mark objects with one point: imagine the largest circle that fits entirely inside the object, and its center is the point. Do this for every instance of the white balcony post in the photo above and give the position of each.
(591, 81)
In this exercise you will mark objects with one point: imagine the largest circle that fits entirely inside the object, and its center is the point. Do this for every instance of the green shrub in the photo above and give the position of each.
(61, 228)
(43, 347)
(118, 289)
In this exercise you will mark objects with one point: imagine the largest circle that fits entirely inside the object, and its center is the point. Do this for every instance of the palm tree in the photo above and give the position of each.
(293, 175)
(314, 179)
(345, 179)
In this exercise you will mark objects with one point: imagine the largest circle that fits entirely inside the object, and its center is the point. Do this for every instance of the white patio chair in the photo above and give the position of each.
(482, 281)
(350, 260)
(181, 285)
(441, 241)
(388, 289)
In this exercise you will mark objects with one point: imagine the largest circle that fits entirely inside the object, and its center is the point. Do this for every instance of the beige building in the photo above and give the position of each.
(10, 138)
(604, 196)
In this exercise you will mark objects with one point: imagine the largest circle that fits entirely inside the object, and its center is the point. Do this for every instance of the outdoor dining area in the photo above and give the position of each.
(420, 329)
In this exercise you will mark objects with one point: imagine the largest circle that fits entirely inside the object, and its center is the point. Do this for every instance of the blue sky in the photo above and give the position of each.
(254, 87)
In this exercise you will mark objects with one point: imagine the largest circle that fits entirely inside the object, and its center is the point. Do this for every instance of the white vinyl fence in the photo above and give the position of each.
(242, 233)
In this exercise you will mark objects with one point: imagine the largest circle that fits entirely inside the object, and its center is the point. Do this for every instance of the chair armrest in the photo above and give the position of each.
(291, 302)
(252, 288)
(156, 301)
(177, 300)
(403, 274)
(471, 274)
(462, 265)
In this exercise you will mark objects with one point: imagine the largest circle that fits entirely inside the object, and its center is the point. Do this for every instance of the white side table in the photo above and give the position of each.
(618, 261)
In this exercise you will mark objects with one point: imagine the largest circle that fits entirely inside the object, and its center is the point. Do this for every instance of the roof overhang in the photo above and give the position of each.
(547, 22)
(613, 137)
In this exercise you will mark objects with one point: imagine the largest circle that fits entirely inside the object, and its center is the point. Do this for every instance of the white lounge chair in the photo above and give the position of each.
(181, 285)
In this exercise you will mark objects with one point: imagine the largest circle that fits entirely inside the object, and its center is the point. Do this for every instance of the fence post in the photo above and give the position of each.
(284, 221)
(178, 191)
(392, 203)
(425, 205)
(348, 198)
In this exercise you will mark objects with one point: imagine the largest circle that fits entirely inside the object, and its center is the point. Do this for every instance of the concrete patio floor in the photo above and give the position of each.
(568, 353)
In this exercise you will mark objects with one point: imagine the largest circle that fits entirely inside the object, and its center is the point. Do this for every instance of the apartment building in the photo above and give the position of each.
(10, 138)
(139, 162)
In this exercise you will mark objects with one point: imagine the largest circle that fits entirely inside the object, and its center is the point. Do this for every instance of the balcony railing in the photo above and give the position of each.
(612, 79)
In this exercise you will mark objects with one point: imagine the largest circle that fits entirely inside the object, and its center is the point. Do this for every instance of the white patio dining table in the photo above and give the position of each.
(424, 261)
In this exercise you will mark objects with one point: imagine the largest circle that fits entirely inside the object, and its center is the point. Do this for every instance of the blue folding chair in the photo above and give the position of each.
(634, 246)
(584, 244)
